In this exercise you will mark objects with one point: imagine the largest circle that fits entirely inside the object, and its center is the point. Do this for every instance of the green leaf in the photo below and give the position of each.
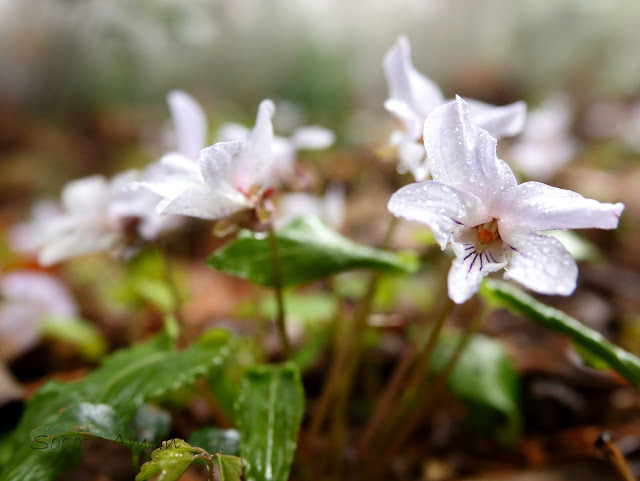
(150, 424)
(230, 467)
(84, 335)
(588, 340)
(309, 251)
(168, 461)
(126, 380)
(214, 440)
(486, 380)
(269, 412)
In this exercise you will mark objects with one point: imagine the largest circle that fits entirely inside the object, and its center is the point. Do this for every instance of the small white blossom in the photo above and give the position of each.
(229, 177)
(28, 299)
(412, 97)
(474, 204)
(86, 223)
(545, 144)
(284, 149)
(330, 208)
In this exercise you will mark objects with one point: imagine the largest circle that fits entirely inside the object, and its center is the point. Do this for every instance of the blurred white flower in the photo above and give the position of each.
(28, 299)
(546, 143)
(284, 149)
(412, 97)
(330, 208)
(229, 177)
(25, 237)
(86, 223)
(475, 204)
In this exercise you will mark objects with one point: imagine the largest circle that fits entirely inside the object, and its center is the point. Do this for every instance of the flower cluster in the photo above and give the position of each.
(473, 205)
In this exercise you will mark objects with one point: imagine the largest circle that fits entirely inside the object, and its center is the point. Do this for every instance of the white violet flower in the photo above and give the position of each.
(475, 204)
(28, 299)
(545, 144)
(86, 223)
(228, 178)
(311, 137)
(412, 97)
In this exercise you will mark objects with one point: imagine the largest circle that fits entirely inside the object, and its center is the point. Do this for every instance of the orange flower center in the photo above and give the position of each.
(488, 232)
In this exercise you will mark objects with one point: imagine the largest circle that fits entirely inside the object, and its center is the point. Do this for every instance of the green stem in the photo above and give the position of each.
(431, 333)
(435, 391)
(277, 286)
(348, 355)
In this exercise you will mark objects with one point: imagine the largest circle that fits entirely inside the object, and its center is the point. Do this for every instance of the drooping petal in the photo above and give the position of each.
(443, 208)
(189, 121)
(540, 263)
(468, 269)
(542, 207)
(463, 155)
(312, 137)
(198, 200)
(499, 121)
(407, 86)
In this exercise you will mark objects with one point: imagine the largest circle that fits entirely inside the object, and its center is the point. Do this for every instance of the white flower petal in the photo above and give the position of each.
(542, 207)
(189, 122)
(19, 329)
(406, 85)
(89, 194)
(312, 137)
(38, 289)
(469, 268)
(499, 121)
(414, 157)
(198, 200)
(443, 208)
(84, 237)
(464, 156)
(232, 131)
(261, 136)
(540, 263)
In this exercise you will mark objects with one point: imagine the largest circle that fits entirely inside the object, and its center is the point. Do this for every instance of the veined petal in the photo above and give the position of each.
(443, 208)
(463, 155)
(189, 122)
(542, 207)
(312, 137)
(499, 121)
(540, 263)
(468, 269)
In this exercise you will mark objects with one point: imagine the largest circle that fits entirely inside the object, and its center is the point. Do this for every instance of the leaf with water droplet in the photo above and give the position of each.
(588, 340)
